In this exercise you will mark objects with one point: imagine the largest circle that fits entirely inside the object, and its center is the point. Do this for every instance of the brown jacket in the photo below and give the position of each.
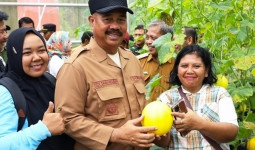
(78, 48)
(95, 96)
(151, 67)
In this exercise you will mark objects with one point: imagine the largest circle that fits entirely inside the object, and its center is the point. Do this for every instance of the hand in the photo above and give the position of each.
(162, 141)
(158, 137)
(53, 121)
(187, 121)
(132, 134)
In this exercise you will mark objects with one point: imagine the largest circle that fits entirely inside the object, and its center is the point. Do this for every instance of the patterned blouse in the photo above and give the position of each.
(212, 103)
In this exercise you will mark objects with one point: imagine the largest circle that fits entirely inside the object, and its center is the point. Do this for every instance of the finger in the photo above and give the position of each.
(181, 130)
(145, 141)
(147, 129)
(142, 142)
(146, 145)
(138, 120)
(188, 109)
(158, 137)
(50, 108)
(177, 114)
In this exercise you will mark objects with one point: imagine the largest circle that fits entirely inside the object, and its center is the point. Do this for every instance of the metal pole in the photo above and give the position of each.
(42, 4)
(128, 20)
(40, 18)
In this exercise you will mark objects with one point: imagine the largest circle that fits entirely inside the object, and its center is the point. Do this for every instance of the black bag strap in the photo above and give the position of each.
(50, 77)
(18, 98)
(212, 142)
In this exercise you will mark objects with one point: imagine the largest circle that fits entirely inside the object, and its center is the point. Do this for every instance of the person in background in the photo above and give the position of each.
(59, 49)
(150, 62)
(131, 37)
(3, 39)
(213, 112)
(84, 40)
(104, 91)
(26, 22)
(139, 32)
(47, 30)
(27, 62)
(189, 39)
(125, 42)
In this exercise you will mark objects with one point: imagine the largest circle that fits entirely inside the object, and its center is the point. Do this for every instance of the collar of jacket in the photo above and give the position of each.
(100, 53)
(150, 58)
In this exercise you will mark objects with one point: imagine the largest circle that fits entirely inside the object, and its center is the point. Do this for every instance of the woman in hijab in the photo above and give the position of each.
(27, 61)
(59, 47)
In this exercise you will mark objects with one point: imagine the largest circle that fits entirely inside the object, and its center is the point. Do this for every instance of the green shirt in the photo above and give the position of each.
(135, 50)
(3, 54)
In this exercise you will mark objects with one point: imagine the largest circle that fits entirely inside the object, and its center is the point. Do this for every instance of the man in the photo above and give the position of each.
(140, 31)
(26, 22)
(3, 40)
(190, 38)
(84, 40)
(48, 30)
(100, 89)
(150, 63)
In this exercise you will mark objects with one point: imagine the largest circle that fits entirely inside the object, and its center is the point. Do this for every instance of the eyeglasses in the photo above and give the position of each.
(2, 31)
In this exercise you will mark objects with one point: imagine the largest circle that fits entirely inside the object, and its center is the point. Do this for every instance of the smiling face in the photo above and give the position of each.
(191, 72)
(34, 56)
(3, 35)
(109, 29)
(152, 34)
(137, 34)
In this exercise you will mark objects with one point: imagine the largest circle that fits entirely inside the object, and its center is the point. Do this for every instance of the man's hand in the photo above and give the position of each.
(132, 134)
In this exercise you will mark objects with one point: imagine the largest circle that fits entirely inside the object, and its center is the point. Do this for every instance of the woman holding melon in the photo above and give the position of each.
(210, 121)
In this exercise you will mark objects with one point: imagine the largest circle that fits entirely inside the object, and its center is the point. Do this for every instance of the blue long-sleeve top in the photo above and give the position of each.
(26, 139)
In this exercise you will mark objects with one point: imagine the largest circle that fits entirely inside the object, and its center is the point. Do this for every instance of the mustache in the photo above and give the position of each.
(116, 32)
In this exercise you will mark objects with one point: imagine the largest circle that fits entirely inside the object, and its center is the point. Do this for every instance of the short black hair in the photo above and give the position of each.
(26, 20)
(191, 31)
(86, 35)
(3, 16)
(200, 52)
(141, 27)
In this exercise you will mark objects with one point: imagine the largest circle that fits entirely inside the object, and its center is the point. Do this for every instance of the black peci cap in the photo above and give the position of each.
(48, 27)
(104, 6)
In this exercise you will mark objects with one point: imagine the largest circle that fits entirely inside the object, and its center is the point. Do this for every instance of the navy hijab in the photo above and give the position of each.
(37, 91)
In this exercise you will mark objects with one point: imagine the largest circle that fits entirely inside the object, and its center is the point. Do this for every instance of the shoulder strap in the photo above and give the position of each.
(18, 98)
(185, 98)
(50, 77)
(212, 142)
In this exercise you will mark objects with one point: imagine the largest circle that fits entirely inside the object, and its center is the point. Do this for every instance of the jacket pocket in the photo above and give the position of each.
(110, 104)
(140, 94)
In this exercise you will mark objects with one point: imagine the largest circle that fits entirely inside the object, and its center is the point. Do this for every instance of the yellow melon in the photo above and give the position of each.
(158, 114)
